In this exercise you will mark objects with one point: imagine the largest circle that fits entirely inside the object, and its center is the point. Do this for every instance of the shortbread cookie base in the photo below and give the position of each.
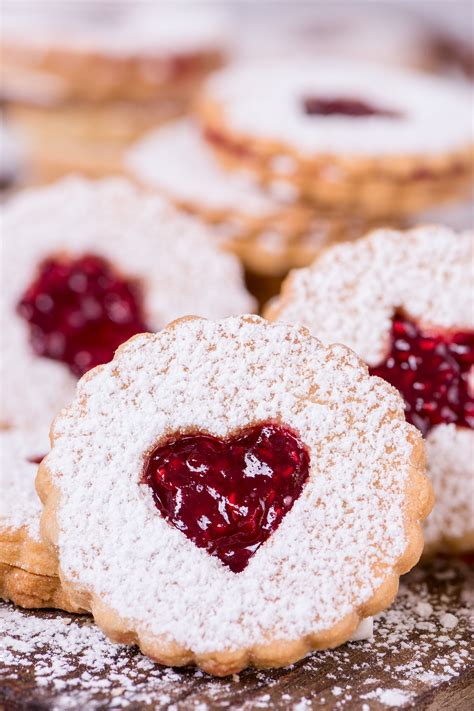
(85, 138)
(97, 77)
(18, 549)
(290, 238)
(277, 652)
(33, 591)
(373, 186)
(29, 572)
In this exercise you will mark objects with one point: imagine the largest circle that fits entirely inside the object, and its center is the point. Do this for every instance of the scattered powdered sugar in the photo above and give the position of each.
(172, 256)
(19, 503)
(450, 454)
(70, 664)
(448, 620)
(350, 294)
(435, 114)
(218, 377)
(389, 697)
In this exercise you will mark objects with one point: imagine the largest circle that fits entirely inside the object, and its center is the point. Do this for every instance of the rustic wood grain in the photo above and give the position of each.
(417, 659)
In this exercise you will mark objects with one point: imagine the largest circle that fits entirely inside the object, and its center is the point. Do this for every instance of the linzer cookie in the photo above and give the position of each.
(28, 568)
(85, 266)
(269, 229)
(346, 135)
(259, 494)
(81, 91)
(403, 302)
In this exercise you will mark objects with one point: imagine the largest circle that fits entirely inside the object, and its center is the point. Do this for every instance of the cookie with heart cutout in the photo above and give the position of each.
(403, 302)
(87, 264)
(346, 135)
(28, 567)
(258, 494)
(270, 230)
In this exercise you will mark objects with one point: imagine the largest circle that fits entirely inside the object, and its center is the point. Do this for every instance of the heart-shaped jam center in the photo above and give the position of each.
(345, 106)
(228, 496)
(79, 311)
(431, 371)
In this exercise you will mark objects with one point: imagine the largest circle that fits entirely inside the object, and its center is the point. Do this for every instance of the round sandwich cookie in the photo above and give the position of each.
(270, 230)
(347, 135)
(81, 90)
(28, 567)
(403, 302)
(259, 494)
(86, 265)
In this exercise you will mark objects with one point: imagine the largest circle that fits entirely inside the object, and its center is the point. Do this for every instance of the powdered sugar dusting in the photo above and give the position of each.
(175, 159)
(450, 452)
(350, 294)
(170, 254)
(72, 664)
(19, 503)
(435, 115)
(139, 31)
(218, 377)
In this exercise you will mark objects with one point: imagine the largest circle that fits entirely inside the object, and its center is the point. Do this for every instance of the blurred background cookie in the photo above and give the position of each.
(90, 264)
(345, 135)
(269, 228)
(83, 84)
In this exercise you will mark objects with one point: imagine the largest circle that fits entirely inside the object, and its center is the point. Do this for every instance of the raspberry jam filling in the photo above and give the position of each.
(344, 106)
(431, 371)
(79, 311)
(228, 496)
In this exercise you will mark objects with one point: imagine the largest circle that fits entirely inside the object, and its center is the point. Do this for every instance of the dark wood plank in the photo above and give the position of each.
(421, 656)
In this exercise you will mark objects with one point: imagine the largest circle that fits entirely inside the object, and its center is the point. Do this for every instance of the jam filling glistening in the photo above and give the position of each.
(344, 106)
(228, 496)
(79, 311)
(431, 371)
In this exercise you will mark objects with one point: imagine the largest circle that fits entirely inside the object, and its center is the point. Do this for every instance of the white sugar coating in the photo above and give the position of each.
(265, 101)
(19, 503)
(450, 452)
(350, 294)
(173, 257)
(448, 620)
(219, 377)
(73, 664)
(390, 697)
(176, 160)
(143, 30)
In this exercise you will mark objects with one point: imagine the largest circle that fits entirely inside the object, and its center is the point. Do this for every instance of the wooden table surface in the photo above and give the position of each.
(421, 656)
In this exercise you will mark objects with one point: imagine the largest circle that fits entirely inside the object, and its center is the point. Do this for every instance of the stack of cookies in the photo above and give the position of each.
(81, 91)
(224, 489)
(285, 159)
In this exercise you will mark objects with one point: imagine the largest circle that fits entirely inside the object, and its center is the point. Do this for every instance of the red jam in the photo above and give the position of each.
(36, 459)
(79, 311)
(431, 370)
(344, 106)
(228, 496)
